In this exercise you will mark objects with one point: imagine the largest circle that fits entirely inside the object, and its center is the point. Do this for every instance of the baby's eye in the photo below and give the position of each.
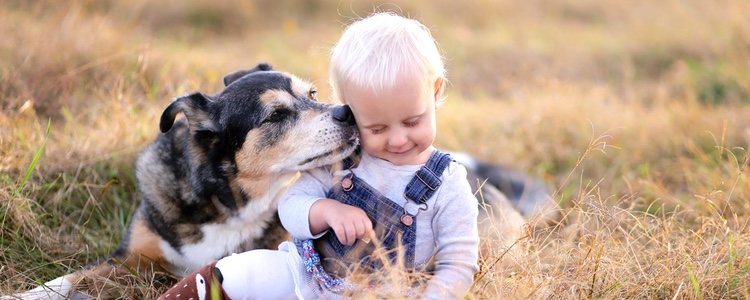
(411, 124)
(377, 130)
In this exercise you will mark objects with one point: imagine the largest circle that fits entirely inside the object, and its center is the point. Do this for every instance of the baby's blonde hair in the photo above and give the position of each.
(373, 50)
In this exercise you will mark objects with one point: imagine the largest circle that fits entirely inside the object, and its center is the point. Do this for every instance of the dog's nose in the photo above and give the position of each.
(343, 114)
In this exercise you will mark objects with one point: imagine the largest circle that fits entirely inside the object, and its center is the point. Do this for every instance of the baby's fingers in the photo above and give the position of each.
(350, 234)
(340, 231)
(368, 226)
(360, 228)
(364, 231)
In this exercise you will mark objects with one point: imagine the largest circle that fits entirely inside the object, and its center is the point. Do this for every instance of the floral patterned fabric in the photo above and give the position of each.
(311, 260)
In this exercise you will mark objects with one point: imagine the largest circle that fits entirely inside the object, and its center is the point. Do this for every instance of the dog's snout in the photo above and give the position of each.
(343, 114)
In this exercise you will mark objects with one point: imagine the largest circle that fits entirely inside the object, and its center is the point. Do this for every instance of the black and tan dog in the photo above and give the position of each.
(210, 183)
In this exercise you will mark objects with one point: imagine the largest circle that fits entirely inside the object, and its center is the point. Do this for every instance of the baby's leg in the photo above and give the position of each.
(257, 274)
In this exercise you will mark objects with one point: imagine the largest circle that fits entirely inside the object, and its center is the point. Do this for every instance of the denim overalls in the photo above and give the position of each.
(326, 260)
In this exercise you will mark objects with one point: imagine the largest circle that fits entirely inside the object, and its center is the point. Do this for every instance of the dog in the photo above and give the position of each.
(210, 183)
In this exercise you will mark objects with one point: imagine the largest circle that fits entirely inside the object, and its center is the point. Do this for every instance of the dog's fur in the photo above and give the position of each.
(210, 183)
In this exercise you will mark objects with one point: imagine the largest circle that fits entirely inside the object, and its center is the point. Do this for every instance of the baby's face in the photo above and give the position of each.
(398, 124)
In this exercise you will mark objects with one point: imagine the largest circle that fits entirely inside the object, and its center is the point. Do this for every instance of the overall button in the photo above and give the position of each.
(347, 184)
(407, 219)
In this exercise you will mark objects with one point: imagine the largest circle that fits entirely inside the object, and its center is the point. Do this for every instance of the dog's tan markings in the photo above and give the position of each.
(256, 166)
(253, 187)
(236, 189)
(300, 87)
(144, 245)
(275, 98)
(253, 176)
(268, 97)
(251, 162)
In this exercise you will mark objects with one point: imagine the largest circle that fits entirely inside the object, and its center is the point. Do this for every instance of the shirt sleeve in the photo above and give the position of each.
(294, 206)
(456, 237)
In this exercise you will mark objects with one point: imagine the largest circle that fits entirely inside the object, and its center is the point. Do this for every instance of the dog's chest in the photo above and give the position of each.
(236, 234)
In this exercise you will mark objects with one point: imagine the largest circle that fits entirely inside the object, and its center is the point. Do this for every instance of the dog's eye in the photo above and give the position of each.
(277, 116)
(313, 94)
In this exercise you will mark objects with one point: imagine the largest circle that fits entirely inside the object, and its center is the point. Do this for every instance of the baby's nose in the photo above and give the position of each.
(343, 114)
(397, 139)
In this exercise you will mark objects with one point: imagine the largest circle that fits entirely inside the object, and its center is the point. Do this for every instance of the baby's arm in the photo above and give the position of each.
(457, 238)
(295, 205)
(306, 212)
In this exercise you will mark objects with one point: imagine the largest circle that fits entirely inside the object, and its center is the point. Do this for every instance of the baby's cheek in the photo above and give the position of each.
(370, 143)
(365, 135)
(366, 140)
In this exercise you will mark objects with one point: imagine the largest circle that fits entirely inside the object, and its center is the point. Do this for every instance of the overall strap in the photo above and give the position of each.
(427, 179)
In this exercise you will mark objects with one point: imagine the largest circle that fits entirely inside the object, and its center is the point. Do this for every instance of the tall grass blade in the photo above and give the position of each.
(34, 161)
(694, 282)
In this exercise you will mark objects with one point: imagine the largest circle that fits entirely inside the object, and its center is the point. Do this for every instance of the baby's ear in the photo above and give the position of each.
(439, 89)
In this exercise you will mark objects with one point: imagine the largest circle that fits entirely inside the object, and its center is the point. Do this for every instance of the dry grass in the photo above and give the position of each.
(636, 112)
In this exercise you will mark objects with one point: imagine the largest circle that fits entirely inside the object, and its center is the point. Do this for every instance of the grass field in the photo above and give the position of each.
(637, 113)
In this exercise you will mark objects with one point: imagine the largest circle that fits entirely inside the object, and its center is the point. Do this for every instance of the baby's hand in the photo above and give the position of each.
(348, 222)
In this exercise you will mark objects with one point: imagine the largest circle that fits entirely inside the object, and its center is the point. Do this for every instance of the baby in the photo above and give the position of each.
(400, 197)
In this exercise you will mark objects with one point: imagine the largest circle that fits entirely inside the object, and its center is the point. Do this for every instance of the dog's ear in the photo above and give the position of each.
(237, 75)
(195, 106)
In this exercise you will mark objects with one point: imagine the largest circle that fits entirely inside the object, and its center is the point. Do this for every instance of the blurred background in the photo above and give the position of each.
(637, 113)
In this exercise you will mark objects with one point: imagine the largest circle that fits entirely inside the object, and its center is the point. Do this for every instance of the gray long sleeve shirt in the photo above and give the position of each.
(447, 230)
